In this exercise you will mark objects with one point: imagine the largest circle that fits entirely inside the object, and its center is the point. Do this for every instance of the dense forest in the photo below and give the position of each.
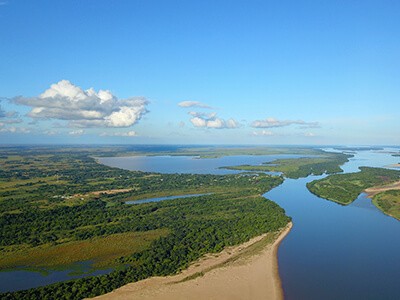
(50, 198)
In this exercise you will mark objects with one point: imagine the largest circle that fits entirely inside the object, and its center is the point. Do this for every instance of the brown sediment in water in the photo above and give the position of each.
(246, 271)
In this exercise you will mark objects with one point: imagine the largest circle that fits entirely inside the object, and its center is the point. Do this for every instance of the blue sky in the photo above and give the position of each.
(226, 72)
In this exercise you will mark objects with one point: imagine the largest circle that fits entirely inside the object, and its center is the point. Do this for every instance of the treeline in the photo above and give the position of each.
(198, 226)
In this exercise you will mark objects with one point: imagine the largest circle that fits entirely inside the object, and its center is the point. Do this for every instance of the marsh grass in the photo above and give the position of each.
(102, 251)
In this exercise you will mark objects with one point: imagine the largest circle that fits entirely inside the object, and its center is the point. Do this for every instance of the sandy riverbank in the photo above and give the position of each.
(376, 190)
(247, 271)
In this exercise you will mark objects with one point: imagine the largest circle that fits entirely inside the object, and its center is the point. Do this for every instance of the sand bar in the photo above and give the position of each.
(248, 271)
(376, 190)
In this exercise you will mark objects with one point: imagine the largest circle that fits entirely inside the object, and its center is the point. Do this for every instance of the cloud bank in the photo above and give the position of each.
(207, 120)
(84, 108)
(274, 123)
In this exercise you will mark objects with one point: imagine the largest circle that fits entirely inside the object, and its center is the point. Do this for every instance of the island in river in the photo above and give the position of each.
(382, 185)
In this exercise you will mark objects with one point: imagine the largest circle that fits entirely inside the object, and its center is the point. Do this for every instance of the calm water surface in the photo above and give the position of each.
(335, 251)
(20, 279)
(158, 199)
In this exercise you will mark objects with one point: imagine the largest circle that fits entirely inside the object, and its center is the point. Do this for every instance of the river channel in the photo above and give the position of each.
(335, 251)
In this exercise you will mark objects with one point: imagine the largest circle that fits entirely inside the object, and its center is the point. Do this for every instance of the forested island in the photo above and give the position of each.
(59, 206)
(323, 162)
(345, 188)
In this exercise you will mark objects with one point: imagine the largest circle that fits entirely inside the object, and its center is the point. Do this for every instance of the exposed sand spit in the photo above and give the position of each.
(376, 190)
(247, 271)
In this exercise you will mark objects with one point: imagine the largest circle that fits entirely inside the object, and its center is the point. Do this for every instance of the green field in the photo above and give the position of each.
(301, 167)
(345, 188)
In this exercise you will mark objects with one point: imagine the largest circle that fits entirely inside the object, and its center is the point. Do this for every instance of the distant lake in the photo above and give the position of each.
(189, 164)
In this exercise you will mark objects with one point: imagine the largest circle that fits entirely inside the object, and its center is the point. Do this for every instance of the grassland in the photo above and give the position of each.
(345, 188)
(301, 167)
(103, 251)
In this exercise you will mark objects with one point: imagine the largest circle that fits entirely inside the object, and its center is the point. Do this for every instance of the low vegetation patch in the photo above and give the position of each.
(102, 250)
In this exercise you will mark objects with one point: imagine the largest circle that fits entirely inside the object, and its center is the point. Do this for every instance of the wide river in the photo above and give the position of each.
(335, 251)
(332, 252)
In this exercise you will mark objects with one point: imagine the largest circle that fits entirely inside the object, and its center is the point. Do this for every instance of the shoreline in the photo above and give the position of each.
(246, 271)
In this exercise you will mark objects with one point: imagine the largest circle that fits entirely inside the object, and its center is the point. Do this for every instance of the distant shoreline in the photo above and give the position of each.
(246, 271)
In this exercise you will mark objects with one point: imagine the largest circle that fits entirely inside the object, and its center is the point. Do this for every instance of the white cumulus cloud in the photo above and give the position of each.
(211, 121)
(84, 108)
